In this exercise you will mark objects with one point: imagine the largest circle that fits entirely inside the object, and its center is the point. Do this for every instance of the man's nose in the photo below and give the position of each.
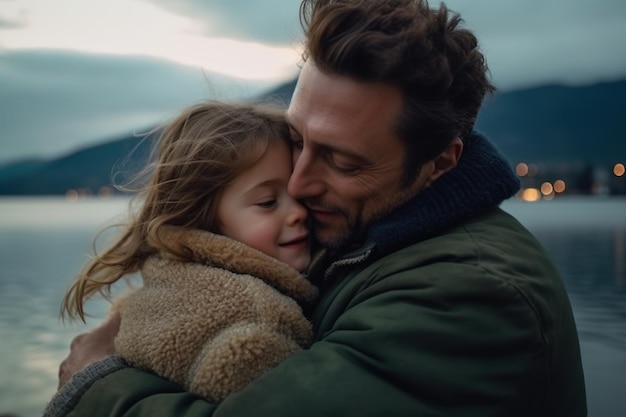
(306, 180)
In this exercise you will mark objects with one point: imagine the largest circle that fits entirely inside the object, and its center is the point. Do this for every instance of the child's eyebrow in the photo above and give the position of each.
(270, 183)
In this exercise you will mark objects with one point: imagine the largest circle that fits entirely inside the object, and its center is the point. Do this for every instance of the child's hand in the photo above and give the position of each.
(90, 347)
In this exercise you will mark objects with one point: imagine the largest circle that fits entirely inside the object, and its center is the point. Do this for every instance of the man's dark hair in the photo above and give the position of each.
(424, 52)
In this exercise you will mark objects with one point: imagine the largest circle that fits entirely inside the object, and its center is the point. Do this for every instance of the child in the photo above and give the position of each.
(220, 246)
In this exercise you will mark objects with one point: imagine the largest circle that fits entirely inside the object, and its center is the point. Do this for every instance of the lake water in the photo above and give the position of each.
(44, 242)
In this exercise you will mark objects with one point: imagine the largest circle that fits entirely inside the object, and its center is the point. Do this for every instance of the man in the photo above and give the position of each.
(434, 301)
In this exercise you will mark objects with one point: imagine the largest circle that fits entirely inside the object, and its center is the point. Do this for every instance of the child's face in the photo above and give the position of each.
(255, 209)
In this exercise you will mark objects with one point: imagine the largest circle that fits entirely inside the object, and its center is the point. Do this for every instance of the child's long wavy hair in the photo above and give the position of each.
(198, 154)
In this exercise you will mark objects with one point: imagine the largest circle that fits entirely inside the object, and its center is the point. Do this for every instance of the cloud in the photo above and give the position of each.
(563, 58)
(539, 41)
(77, 71)
(10, 24)
(270, 21)
(139, 28)
(56, 101)
(12, 16)
(526, 42)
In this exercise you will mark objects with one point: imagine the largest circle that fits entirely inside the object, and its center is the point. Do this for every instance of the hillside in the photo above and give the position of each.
(548, 124)
(559, 124)
(90, 169)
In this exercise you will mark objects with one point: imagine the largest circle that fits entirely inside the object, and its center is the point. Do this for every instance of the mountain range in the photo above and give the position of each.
(550, 124)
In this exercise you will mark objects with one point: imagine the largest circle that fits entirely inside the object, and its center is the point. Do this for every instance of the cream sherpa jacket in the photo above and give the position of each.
(216, 323)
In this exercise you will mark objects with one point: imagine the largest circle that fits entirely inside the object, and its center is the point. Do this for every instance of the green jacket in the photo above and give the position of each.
(451, 311)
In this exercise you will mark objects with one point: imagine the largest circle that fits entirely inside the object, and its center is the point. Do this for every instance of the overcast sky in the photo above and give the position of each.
(75, 72)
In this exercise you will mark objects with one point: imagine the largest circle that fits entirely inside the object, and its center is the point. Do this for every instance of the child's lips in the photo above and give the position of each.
(298, 242)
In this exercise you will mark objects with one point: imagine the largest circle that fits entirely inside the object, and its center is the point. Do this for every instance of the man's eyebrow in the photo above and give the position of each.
(360, 159)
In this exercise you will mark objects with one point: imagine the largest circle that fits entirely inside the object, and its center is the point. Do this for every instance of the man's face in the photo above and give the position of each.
(348, 161)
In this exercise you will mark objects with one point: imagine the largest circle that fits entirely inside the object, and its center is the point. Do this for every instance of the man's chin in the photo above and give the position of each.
(331, 238)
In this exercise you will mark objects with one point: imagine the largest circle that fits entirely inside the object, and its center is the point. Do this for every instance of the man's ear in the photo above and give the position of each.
(447, 160)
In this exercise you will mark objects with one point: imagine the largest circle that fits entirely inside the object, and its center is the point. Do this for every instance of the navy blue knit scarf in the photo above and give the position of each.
(481, 180)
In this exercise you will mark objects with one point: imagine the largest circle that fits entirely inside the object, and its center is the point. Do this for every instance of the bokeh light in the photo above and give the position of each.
(530, 194)
(547, 188)
(559, 186)
(521, 169)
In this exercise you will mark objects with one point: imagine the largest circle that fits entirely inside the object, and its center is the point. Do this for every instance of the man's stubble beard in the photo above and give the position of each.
(336, 241)
(356, 227)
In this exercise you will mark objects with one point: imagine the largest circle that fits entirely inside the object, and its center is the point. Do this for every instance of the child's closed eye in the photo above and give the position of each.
(269, 203)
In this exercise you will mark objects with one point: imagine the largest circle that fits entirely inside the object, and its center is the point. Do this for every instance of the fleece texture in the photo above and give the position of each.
(216, 322)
